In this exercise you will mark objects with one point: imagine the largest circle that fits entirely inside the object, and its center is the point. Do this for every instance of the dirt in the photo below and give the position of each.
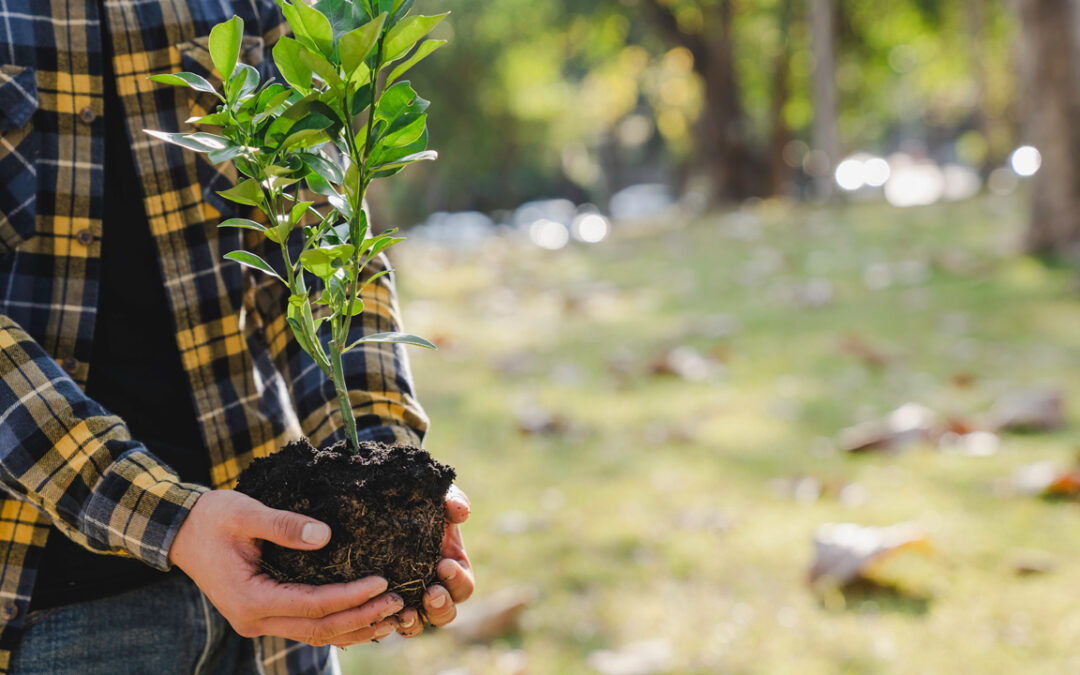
(384, 507)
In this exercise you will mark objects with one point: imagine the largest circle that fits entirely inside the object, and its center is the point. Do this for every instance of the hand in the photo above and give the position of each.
(219, 545)
(454, 571)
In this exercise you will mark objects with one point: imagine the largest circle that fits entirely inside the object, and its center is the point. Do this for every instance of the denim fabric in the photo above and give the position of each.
(164, 628)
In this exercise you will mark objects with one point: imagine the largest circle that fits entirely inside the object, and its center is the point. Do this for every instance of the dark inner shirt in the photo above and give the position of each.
(135, 368)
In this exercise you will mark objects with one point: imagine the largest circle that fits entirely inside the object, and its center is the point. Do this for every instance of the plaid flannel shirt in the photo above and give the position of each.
(66, 462)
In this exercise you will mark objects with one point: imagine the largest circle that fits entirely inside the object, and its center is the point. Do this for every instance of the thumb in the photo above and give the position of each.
(286, 528)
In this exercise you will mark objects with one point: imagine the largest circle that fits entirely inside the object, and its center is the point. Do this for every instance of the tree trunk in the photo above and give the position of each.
(1053, 92)
(824, 137)
(778, 168)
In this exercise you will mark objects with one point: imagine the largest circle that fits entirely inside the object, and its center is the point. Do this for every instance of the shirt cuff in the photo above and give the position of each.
(139, 506)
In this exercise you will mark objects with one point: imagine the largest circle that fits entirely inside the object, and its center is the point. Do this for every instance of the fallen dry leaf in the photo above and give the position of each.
(488, 618)
(861, 349)
(687, 363)
(1030, 563)
(845, 552)
(1047, 479)
(909, 424)
(1029, 410)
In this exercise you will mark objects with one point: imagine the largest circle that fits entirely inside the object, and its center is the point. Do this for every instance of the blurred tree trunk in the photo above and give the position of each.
(1052, 80)
(976, 23)
(778, 168)
(724, 151)
(824, 137)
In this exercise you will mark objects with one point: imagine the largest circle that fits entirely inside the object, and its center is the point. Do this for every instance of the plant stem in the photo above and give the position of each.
(343, 398)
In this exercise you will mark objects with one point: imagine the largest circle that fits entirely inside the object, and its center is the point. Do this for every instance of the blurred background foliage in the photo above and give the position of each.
(581, 99)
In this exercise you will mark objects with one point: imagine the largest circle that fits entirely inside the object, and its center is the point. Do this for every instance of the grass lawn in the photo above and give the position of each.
(655, 510)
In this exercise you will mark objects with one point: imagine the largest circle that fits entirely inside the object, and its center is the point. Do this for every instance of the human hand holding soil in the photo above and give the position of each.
(454, 571)
(219, 545)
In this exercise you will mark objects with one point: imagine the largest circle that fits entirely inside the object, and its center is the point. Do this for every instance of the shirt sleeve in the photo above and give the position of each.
(66, 455)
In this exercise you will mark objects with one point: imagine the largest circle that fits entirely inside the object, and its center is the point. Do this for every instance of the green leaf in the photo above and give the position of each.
(357, 308)
(318, 262)
(425, 156)
(231, 152)
(379, 244)
(247, 192)
(394, 338)
(337, 12)
(251, 260)
(191, 80)
(355, 45)
(400, 9)
(225, 45)
(287, 57)
(243, 222)
(244, 82)
(216, 119)
(317, 27)
(407, 134)
(297, 212)
(198, 141)
(330, 171)
(305, 138)
(273, 96)
(401, 38)
(422, 52)
(323, 68)
(320, 186)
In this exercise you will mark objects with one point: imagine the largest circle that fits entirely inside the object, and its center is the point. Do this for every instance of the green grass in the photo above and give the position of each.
(616, 547)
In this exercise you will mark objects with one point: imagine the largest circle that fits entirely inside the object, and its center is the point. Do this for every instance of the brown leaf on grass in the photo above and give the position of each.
(488, 618)
(1029, 410)
(686, 363)
(962, 380)
(846, 552)
(540, 422)
(1047, 479)
(1031, 563)
(909, 424)
(858, 347)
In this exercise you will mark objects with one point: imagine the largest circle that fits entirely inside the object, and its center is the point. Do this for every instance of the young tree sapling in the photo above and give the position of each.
(342, 118)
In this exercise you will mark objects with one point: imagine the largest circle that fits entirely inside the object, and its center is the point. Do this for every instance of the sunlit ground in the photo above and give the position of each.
(653, 511)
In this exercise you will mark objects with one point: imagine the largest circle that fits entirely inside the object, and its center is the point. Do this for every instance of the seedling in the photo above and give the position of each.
(342, 119)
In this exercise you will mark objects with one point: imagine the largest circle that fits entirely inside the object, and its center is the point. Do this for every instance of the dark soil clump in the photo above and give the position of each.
(384, 507)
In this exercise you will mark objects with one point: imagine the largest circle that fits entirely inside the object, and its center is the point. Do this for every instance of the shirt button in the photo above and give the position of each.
(70, 365)
(87, 115)
(84, 237)
(9, 611)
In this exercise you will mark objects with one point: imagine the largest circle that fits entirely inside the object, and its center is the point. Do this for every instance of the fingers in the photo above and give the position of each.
(456, 579)
(314, 602)
(409, 624)
(347, 627)
(284, 528)
(438, 606)
(376, 632)
(457, 505)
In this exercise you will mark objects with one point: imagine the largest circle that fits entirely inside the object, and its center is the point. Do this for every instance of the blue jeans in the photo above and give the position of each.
(166, 627)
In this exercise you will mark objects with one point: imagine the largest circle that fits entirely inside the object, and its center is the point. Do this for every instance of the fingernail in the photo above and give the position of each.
(315, 533)
(384, 629)
(450, 573)
(438, 600)
(407, 621)
(395, 605)
(380, 585)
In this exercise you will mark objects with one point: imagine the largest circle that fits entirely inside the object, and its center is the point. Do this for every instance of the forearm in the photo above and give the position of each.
(66, 455)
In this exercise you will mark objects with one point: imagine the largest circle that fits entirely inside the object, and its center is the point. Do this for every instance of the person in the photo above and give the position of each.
(139, 374)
